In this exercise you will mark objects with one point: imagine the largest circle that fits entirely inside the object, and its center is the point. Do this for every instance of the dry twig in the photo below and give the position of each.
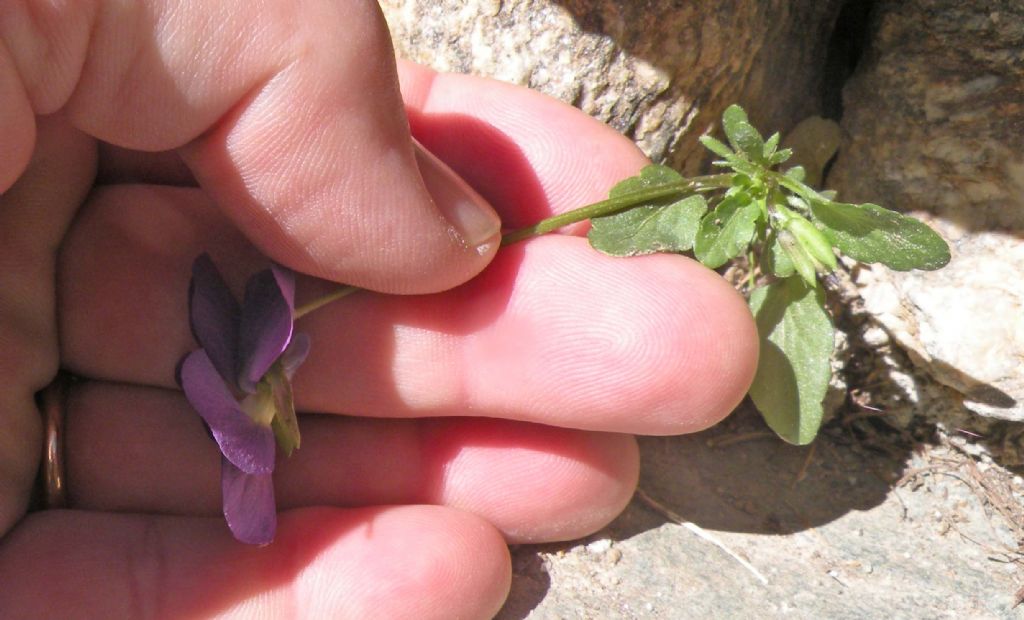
(671, 515)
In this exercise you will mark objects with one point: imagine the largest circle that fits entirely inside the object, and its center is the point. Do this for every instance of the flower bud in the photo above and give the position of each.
(803, 263)
(814, 243)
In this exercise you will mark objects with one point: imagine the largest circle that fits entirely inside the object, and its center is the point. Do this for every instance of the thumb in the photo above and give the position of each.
(289, 115)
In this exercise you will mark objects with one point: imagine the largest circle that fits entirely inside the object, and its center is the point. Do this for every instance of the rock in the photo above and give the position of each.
(962, 324)
(814, 142)
(832, 538)
(934, 124)
(660, 71)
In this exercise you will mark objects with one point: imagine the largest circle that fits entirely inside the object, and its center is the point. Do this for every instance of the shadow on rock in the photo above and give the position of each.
(735, 477)
(530, 583)
(739, 477)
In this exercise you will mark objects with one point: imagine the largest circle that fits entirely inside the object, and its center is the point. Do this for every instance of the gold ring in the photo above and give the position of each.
(54, 398)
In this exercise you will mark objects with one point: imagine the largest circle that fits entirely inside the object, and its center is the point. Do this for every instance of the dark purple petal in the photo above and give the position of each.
(242, 441)
(295, 354)
(266, 327)
(248, 504)
(213, 316)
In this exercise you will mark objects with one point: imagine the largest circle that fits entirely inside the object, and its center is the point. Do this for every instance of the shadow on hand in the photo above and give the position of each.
(740, 477)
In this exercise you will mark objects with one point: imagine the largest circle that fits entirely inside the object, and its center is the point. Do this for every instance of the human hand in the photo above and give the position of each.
(494, 412)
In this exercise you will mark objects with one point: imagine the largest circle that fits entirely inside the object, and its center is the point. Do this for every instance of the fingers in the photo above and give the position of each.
(552, 332)
(16, 124)
(34, 214)
(521, 150)
(298, 133)
(530, 155)
(534, 483)
(401, 562)
(121, 166)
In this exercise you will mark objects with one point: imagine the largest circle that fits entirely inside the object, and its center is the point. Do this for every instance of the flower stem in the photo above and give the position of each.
(598, 209)
(343, 291)
(618, 203)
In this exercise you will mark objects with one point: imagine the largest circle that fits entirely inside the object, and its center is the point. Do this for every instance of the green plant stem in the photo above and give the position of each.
(752, 267)
(343, 291)
(597, 209)
(618, 203)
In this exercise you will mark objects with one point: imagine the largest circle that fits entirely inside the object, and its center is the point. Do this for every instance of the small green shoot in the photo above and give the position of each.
(792, 234)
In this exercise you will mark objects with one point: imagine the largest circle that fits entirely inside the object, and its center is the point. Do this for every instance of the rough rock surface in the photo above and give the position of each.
(835, 532)
(934, 122)
(659, 71)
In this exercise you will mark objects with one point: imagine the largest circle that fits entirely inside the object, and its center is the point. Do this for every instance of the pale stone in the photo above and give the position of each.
(962, 323)
(934, 123)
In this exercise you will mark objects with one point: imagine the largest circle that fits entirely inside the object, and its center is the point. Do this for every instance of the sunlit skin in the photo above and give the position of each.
(496, 405)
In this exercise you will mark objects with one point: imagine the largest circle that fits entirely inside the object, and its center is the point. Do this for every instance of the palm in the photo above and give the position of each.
(495, 412)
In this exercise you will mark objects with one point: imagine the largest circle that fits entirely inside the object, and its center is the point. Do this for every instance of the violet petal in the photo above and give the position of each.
(214, 315)
(295, 354)
(248, 504)
(266, 326)
(248, 445)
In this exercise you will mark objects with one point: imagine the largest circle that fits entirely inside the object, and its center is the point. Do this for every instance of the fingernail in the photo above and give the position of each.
(473, 220)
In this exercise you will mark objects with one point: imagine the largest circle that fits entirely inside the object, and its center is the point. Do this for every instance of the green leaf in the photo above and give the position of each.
(741, 134)
(779, 156)
(873, 234)
(793, 371)
(650, 228)
(284, 424)
(650, 175)
(715, 146)
(770, 145)
(726, 232)
(775, 260)
(789, 181)
(796, 173)
(741, 166)
(663, 225)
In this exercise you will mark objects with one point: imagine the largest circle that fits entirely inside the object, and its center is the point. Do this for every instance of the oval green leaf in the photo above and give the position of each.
(873, 234)
(741, 134)
(794, 369)
(650, 228)
(775, 260)
(715, 146)
(650, 176)
(726, 232)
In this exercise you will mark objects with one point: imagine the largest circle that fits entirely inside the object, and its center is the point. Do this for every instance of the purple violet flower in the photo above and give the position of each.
(239, 382)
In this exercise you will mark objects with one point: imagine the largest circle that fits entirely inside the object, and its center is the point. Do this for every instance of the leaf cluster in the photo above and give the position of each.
(790, 232)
